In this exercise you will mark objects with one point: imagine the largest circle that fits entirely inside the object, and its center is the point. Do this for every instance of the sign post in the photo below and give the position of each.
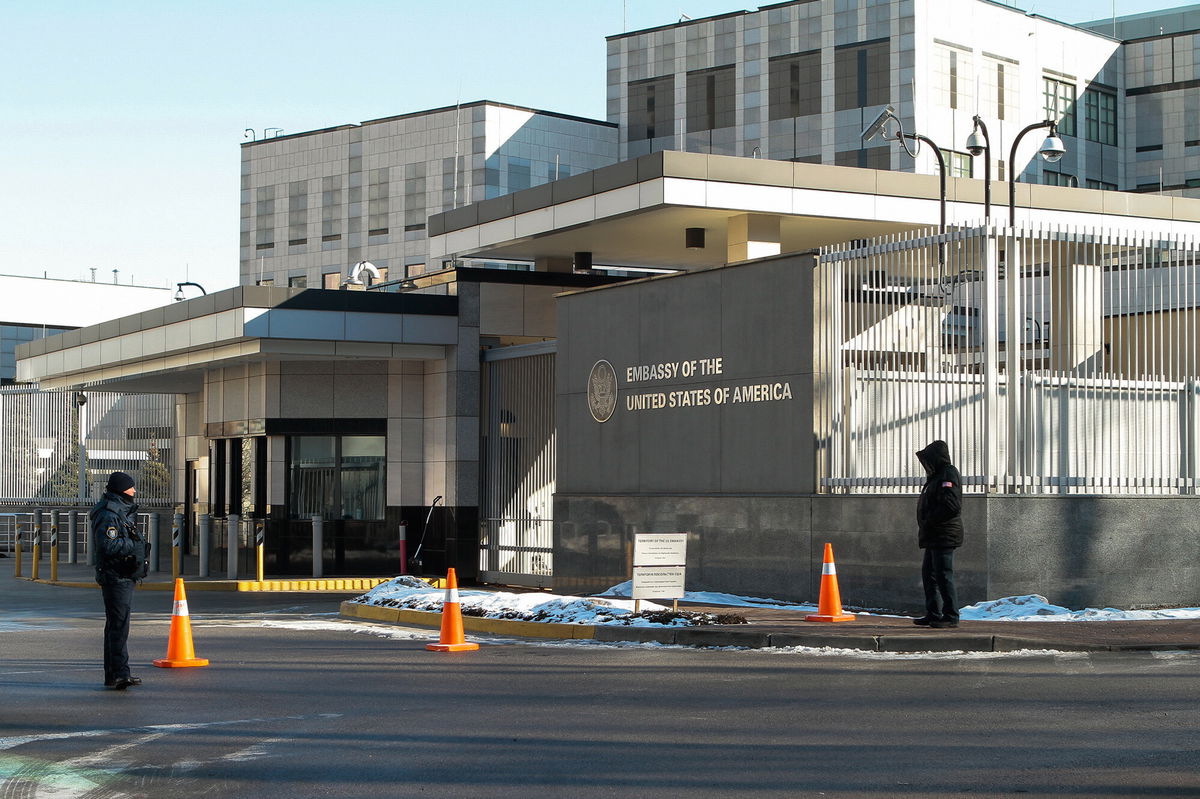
(659, 564)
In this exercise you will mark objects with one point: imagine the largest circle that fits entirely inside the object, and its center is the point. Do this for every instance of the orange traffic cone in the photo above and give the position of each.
(179, 645)
(451, 639)
(829, 608)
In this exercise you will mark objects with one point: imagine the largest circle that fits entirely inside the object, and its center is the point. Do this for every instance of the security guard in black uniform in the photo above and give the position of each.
(121, 562)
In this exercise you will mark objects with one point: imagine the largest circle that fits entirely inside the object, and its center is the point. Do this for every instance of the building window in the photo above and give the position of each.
(1059, 103)
(862, 75)
(378, 203)
(1000, 91)
(264, 218)
(711, 95)
(519, 173)
(331, 280)
(265, 282)
(298, 212)
(1100, 116)
(298, 282)
(651, 108)
(794, 85)
(958, 165)
(1100, 184)
(331, 208)
(1051, 178)
(337, 477)
(865, 157)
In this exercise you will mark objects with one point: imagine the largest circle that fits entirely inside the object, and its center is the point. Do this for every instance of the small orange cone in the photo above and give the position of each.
(829, 608)
(179, 645)
(451, 639)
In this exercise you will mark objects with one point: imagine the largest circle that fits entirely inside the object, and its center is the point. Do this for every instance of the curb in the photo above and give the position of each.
(701, 637)
(330, 585)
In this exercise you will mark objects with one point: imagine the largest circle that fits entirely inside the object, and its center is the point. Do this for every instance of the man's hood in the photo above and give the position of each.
(935, 456)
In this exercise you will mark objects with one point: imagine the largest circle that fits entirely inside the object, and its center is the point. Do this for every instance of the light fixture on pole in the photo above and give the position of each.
(879, 128)
(179, 289)
(978, 143)
(1051, 150)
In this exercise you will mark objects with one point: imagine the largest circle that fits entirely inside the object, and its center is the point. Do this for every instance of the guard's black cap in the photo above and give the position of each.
(119, 483)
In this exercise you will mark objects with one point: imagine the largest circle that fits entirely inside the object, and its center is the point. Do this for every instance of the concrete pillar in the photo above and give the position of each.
(752, 236)
(1076, 316)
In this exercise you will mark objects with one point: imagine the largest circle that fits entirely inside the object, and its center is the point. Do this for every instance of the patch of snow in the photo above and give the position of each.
(1034, 607)
(625, 589)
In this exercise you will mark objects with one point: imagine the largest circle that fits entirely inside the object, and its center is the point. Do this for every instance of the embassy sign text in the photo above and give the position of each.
(646, 374)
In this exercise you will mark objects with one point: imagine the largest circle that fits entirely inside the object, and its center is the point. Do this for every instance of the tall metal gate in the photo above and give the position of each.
(517, 457)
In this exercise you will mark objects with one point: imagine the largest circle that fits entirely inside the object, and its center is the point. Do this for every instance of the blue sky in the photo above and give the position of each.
(122, 120)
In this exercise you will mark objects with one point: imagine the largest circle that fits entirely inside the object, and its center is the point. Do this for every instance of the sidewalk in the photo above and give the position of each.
(785, 628)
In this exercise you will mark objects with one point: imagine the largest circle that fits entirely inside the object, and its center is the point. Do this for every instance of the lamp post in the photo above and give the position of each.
(179, 289)
(978, 143)
(1051, 150)
(879, 127)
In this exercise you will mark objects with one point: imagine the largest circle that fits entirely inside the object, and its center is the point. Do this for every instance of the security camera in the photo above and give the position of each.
(975, 143)
(1052, 149)
(876, 127)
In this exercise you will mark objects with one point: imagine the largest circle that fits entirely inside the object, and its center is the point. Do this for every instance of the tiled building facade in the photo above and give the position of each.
(313, 204)
(801, 80)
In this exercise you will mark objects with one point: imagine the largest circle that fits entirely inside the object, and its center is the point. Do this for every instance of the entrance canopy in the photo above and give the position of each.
(168, 349)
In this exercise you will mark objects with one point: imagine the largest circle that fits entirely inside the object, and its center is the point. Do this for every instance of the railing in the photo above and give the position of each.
(1093, 390)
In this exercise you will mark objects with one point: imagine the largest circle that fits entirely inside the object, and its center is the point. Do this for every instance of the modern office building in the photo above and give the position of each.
(799, 81)
(314, 202)
(811, 279)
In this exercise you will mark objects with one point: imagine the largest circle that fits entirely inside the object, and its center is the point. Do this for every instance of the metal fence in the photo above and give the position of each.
(1053, 360)
(517, 529)
(58, 447)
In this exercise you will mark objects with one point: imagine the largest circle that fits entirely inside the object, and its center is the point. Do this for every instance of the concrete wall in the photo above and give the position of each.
(1076, 551)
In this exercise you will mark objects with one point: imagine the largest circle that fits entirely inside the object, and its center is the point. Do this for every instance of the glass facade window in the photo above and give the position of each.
(1100, 116)
(862, 75)
(1051, 178)
(958, 165)
(651, 108)
(1059, 103)
(378, 202)
(1100, 184)
(711, 99)
(298, 282)
(337, 477)
(519, 174)
(794, 85)
(331, 208)
(865, 157)
(1000, 87)
(10, 337)
(264, 218)
(331, 280)
(297, 212)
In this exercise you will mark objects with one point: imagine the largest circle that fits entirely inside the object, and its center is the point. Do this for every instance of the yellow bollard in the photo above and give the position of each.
(37, 547)
(54, 546)
(17, 573)
(259, 546)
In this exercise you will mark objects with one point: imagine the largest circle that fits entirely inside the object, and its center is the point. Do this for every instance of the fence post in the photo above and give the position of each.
(37, 544)
(54, 546)
(260, 538)
(72, 537)
(232, 524)
(152, 529)
(404, 547)
(318, 546)
(17, 541)
(176, 544)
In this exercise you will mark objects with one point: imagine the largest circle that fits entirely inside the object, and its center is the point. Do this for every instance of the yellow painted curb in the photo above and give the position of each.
(477, 624)
(340, 585)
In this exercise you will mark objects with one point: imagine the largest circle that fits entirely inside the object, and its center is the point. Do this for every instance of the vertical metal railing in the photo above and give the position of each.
(516, 536)
(1053, 360)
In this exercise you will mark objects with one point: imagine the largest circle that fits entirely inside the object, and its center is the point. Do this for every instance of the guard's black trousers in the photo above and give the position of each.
(118, 600)
(937, 577)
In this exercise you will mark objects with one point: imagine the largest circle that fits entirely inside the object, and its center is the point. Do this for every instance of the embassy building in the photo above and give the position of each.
(724, 311)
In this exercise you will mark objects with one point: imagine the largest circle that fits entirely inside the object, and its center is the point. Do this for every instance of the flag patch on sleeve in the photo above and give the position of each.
(947, 484)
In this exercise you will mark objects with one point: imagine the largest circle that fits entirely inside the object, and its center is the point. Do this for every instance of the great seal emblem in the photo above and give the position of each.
(602, 391)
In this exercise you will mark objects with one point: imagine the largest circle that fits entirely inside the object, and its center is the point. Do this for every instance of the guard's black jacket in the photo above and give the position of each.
(939, 510)
(120, 551)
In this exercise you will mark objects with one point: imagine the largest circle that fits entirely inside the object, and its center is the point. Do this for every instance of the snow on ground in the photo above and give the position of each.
(414, 594)
(1034, 607)
(611, 608)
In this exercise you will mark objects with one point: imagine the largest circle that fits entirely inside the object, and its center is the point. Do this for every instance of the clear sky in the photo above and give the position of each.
(120, 120)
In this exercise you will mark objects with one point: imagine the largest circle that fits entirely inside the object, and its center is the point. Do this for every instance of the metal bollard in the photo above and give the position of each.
(176, 544)
(17, 554)
(404, 547)
(205, 542)
(232, 526)
(37, 545)
(152, 530)
(260, 537)
(54, 546)
(318, 546)
(72, 537)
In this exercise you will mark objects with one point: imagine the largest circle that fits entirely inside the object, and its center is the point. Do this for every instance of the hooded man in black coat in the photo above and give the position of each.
(120, 563)
(940, 532)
